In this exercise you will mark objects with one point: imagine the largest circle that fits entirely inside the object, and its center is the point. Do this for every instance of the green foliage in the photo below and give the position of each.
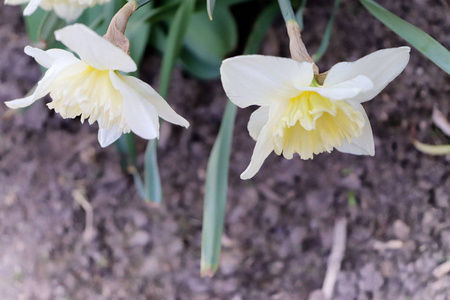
(172, 48)
(153, 190)
(327, 34)
(207, 43)
(41, 25)
(216, 194)
(138, 32)
(218, 164)
(420, 40)
(174, 42)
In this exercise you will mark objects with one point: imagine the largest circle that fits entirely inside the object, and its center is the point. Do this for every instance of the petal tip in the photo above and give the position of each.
(244, 176)
(10, 105)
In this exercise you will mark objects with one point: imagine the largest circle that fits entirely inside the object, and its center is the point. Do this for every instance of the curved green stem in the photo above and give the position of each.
(287, 11)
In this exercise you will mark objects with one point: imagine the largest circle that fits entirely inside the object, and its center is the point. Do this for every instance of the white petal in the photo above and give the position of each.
(149, 94)
(108, 136)
(139, 114)
(68, 11)
(263, 147)
(344, 90)
(22, 102)
(31, 7)
(44, 85)
(94, 50)
(15, 2)
(257, 121)
(363, 145)
(47, 58)
(259, 80)
(381, 67)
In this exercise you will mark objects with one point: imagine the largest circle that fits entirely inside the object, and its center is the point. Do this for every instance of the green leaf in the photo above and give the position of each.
(212, 40)
(208, 43)
(162, 12)
(260, 29)
(327, 34)
(41, 26)
(99, 16)
(126, 148)
(138, 32)
(174, 42)
(33, 23)
(173, 45)
(127, 151)
(216, 193)
(420, 40)
(152, 179)
(218, 163)
(198, 67)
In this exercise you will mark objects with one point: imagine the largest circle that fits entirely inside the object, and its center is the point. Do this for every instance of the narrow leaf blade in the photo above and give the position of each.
(152, 179)
(174, 42)
(216, 193)
(172, 49)
(327, 34)
(218, 164)
(420, 40)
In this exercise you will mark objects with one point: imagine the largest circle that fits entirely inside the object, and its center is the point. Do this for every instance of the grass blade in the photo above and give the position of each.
(174, 42)
(299, 14)
(218, 164)
(420, 40)
(153, 188)
(327, 34)
(216, 193)
(172, 49)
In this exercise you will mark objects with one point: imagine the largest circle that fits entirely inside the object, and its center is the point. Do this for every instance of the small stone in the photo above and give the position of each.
(387, 269)
(371, 280)
(139, 238)
(297, 235)
(401, 230)
(445, 238)
(271, 214)
(139, 218)
(316, 295)
(442, 197)
(276, 268)
(230, 262)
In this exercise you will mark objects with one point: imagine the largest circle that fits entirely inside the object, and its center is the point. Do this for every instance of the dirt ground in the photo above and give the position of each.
(279, 225)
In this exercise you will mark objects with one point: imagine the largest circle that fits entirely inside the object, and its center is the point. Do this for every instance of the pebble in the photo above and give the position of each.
(371, 279)
(139, 238)
(401, 230)
(442, 197)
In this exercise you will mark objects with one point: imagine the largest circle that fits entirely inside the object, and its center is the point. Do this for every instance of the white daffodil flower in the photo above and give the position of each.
(92, 87)
(68, 10)
(297, 115)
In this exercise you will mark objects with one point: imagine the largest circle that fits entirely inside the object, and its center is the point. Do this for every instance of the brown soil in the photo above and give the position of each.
(279, 225)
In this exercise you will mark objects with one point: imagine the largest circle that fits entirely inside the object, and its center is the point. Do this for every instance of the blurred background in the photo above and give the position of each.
(278, 226)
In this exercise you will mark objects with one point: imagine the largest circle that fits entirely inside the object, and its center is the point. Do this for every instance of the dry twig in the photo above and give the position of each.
(89, 231)
(335, 258)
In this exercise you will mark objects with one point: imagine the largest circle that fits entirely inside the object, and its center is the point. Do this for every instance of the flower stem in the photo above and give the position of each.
(296, 45)
(287, 11)
(141, 3)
